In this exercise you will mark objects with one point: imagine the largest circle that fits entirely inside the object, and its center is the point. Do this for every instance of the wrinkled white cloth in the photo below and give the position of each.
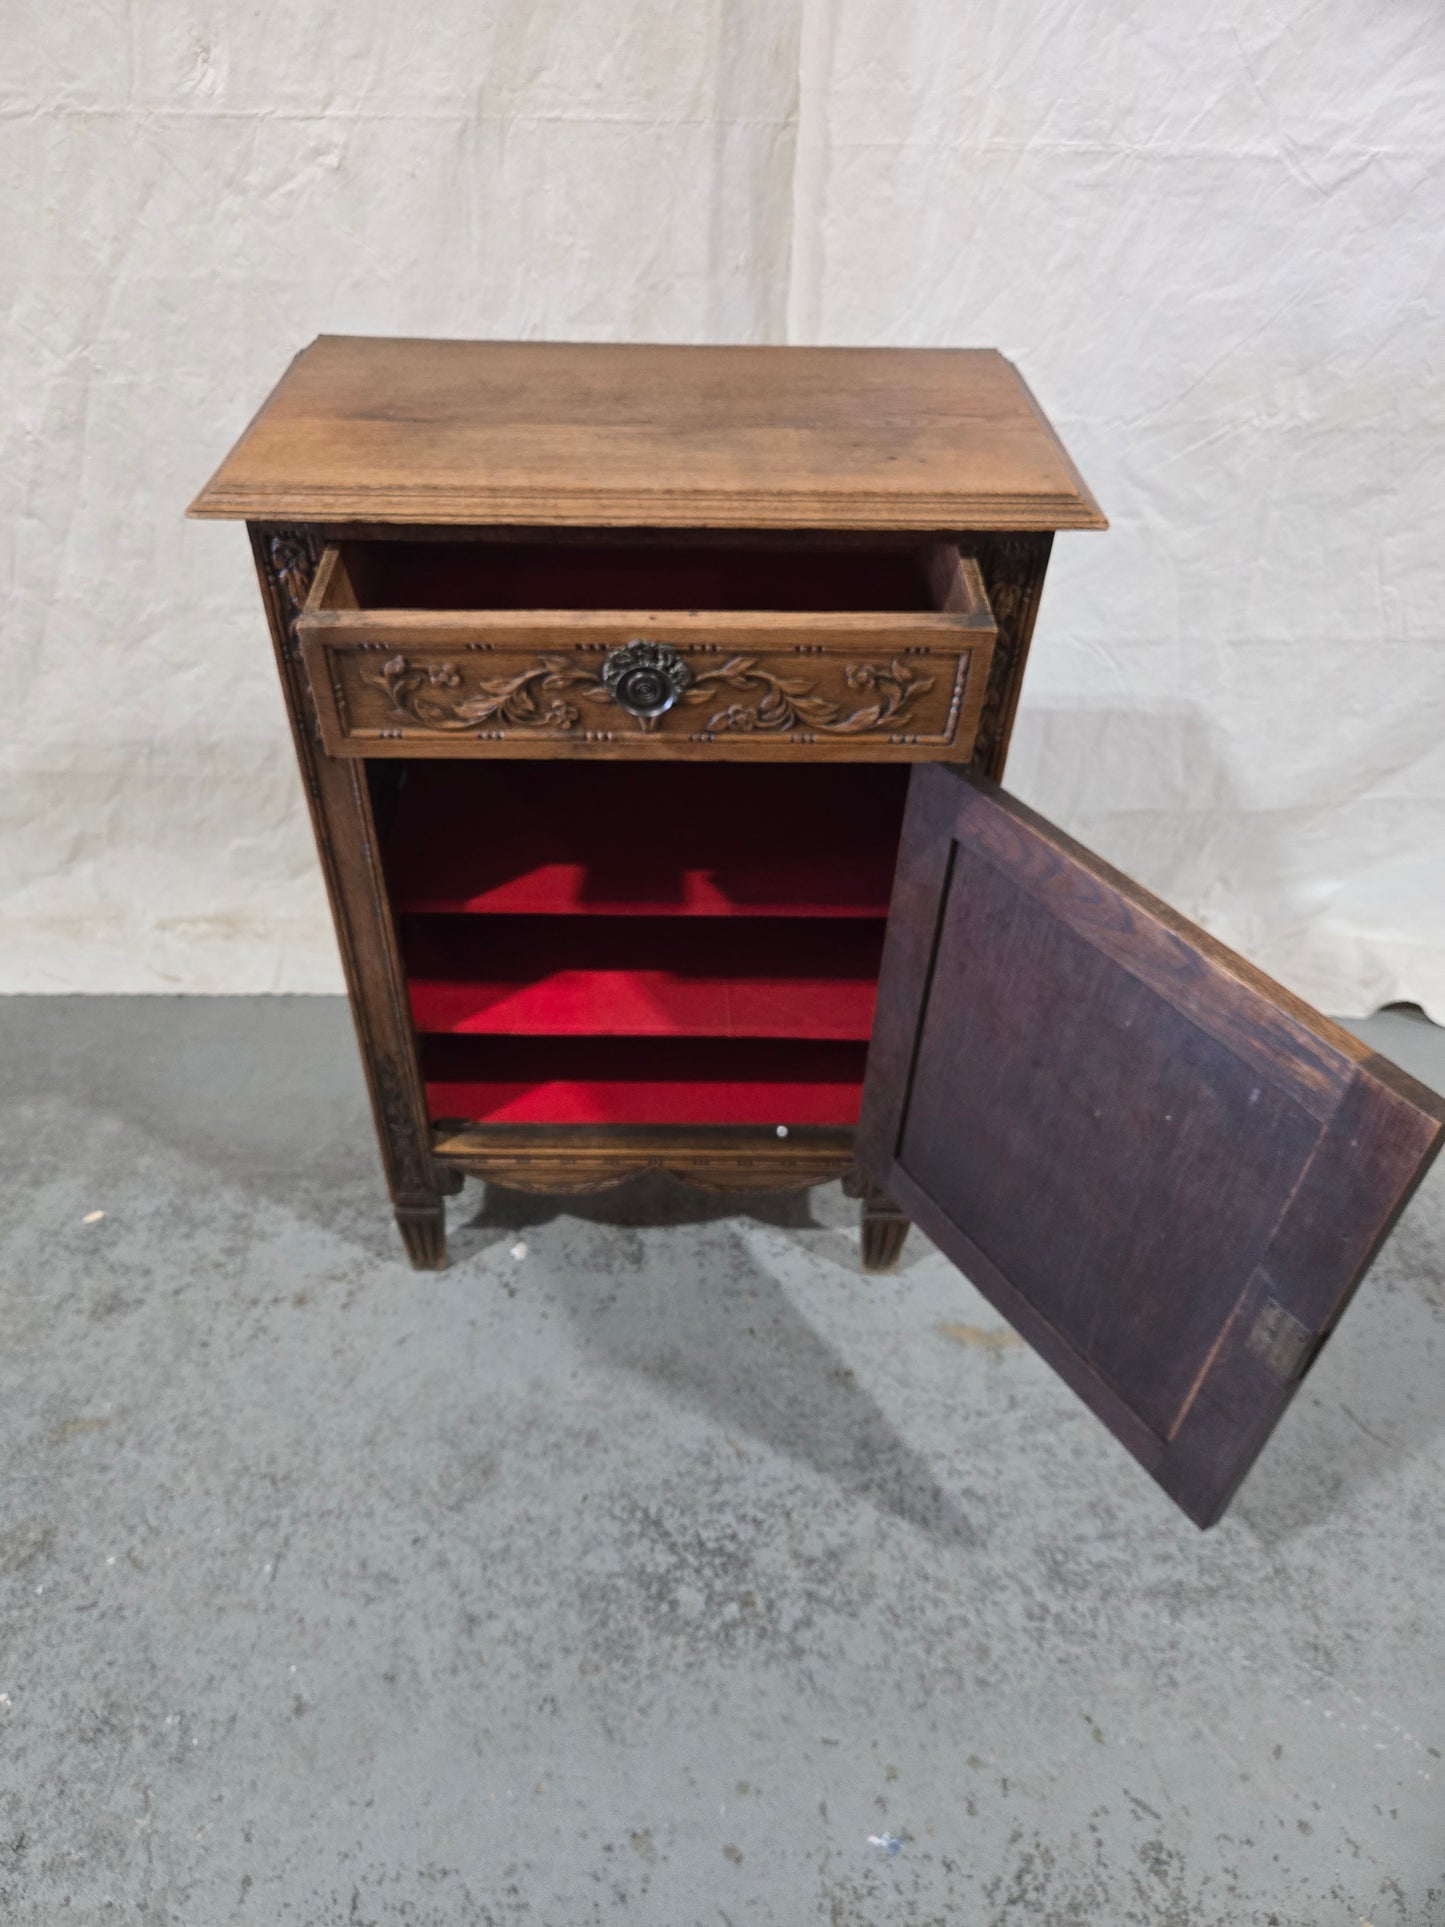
(1211, 240)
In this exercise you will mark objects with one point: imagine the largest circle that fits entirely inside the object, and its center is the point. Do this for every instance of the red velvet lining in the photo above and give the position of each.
(573, 575)
(647, 839)
(604, 1080)
(634, 976)
(759, 1022)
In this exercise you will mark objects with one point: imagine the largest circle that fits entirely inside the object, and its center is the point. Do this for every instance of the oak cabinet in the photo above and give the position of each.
(650, 704)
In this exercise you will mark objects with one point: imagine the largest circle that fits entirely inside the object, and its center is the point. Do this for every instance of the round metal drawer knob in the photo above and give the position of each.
(645, 678)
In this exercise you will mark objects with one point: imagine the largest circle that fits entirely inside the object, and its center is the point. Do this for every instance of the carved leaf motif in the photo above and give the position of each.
(785, 704)
(422, 693)
(394, 1099)
(436, 696)
(292, 557)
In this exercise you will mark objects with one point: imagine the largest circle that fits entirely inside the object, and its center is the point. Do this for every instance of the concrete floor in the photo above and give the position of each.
(656, 1574)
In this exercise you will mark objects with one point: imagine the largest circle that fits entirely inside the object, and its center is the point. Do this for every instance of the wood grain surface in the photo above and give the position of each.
(1167, 1172)
(402, 431)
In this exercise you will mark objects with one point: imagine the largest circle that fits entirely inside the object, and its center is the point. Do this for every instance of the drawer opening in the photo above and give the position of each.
(619, 575)
(630, 943)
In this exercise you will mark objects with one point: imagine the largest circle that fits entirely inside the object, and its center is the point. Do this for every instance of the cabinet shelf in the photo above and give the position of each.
(612, 1080)
(643, 976)
(646, 840)
(628, 943)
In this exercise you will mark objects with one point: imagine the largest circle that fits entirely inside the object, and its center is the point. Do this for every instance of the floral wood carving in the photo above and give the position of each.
(394, 1086)
(292, 559)
(427, 693)
(786, 702)
(288, 560)
(436, 696)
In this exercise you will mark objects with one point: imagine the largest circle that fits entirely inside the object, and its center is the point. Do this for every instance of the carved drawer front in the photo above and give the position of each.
(610, 648)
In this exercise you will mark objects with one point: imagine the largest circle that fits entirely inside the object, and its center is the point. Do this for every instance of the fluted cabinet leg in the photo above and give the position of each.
(423, 1229)
(884, 1227)
(884, 1230)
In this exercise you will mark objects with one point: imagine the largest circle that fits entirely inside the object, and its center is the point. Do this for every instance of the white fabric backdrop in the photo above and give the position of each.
(1211, 239)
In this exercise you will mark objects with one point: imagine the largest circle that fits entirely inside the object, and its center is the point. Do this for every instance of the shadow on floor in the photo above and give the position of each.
(722, 1335)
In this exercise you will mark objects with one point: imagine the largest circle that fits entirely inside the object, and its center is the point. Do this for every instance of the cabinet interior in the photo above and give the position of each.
(633, 943)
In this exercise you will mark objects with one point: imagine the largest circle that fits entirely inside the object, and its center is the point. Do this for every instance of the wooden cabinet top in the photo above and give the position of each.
(366, 429)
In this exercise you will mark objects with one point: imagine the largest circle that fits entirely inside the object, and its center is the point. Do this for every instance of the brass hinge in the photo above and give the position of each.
(1280, 1342)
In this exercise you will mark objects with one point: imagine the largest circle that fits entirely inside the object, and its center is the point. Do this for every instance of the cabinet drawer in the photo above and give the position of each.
(495, 648)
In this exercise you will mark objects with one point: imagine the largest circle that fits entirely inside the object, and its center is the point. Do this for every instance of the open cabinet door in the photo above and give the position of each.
(1167, 1173)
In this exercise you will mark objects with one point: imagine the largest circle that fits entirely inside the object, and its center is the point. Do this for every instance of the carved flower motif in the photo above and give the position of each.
(291, 559)
(735, 717)
(444, 675)
(861, 675)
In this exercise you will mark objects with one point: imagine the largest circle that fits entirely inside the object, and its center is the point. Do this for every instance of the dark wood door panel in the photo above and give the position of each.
(1167, 1172)
(1020, 1074)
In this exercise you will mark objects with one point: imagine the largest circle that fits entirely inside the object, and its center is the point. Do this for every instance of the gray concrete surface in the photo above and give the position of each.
(652, 1575)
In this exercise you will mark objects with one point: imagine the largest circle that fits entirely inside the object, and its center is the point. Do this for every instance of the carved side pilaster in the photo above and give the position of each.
(291, 560)
(347, 844)
(1013, 568)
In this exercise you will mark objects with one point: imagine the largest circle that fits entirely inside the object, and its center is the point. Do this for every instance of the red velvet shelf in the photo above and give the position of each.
(640, 839)
(642, 976)
(606, 1080)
